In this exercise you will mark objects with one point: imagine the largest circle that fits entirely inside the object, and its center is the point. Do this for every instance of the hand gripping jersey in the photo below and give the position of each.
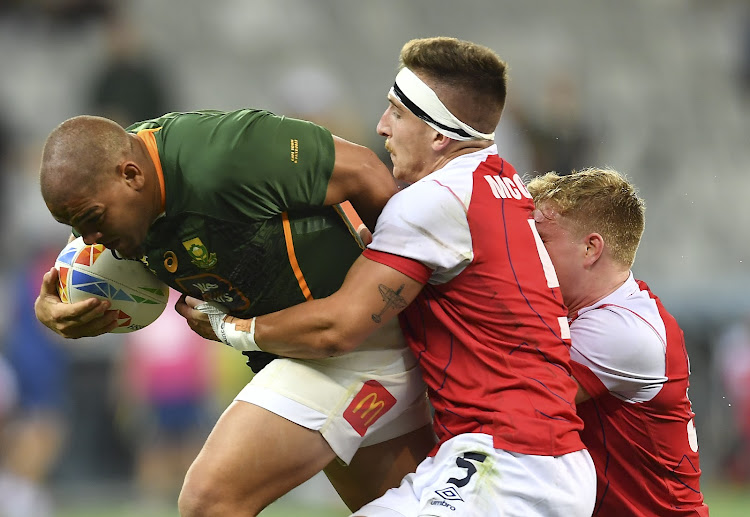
(243, 221)
(629, 354)
(489, 328)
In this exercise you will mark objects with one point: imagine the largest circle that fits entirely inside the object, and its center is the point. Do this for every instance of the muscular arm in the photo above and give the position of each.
(360, 177)
(371, 294)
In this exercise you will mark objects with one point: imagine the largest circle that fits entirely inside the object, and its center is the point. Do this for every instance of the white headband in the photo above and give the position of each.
(419, 98)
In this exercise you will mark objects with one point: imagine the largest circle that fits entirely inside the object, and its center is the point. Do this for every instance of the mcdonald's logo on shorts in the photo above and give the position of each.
(372, 402)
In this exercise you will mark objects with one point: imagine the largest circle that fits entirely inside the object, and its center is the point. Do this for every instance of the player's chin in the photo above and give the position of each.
(129, 252)
(400, 174)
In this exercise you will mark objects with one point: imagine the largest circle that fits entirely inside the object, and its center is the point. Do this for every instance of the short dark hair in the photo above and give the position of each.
(470, 79)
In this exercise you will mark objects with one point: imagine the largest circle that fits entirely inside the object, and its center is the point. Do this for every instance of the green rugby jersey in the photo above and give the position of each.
(243, 221)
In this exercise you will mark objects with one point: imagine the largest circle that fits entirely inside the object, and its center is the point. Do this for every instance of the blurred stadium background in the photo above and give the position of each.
(659, 90)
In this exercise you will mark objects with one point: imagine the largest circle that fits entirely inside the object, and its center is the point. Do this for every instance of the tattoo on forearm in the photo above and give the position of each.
(392, 299)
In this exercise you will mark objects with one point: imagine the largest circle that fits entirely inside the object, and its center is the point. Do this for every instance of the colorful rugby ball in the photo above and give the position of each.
(93, 270)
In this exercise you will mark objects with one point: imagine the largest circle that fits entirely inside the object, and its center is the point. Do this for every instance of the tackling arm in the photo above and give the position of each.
(371, 295)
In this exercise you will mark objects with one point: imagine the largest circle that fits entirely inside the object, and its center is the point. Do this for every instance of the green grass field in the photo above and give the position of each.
(121, 509)
(273, 511)
(722, 501)
(726, 501)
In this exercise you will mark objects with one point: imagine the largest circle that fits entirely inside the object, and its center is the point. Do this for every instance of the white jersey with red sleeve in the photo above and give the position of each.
(489, 328)
(629, 354)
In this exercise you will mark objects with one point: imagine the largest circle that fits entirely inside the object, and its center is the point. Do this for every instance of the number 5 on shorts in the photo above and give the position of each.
(470, 468)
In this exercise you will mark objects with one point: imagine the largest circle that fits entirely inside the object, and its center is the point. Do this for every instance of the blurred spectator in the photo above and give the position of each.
(34, 433)
(513, 141)
(744, 64)
(26, 220)
(8, 392)
(5, 151)
(129, 86)
(312, 91)
(559, 135)
(166, 401)
(60, 12)
(732, 362)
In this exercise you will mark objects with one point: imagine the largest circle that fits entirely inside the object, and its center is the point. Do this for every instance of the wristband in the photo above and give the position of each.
(227, 331)
(239, 339)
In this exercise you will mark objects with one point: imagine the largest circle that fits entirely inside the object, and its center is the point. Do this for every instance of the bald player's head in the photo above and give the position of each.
(78, 154)
(100, 180)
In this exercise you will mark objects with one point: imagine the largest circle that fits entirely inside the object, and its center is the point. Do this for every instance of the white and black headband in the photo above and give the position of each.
(419, 98)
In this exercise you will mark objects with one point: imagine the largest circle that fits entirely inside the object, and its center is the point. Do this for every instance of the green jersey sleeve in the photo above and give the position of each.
(242, 163)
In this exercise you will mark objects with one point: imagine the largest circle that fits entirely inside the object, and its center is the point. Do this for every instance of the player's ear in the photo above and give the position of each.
(132, 174)
(440, 141)
(594, 248)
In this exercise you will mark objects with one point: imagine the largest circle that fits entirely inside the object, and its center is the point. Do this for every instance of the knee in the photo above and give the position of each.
(200, 497)
(196, 500)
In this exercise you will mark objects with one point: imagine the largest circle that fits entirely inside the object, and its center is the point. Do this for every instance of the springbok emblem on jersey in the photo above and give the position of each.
(199, 254)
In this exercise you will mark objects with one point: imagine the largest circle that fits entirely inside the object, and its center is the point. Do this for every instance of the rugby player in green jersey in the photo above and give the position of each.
(244, 208)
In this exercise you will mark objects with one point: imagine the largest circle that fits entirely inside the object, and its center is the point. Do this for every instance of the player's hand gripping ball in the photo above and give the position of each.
(93, 270)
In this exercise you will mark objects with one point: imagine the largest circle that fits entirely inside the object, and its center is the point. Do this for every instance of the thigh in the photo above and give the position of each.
(376, 468)
(253, 456)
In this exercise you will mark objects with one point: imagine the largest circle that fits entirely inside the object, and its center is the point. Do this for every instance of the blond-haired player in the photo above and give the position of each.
(628, 352)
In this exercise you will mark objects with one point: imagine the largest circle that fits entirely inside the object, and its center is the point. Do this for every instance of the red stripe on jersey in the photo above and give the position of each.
(410, 267)
(644, 320)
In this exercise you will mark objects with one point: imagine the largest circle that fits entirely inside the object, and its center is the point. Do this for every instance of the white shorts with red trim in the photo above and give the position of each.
(362, 398)
(468, 477)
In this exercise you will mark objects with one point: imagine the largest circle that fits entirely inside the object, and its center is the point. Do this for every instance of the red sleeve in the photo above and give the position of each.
(410, 267)
(588, 380)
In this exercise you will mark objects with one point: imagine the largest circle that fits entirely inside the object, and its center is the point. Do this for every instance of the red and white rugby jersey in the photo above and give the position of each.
(489, 328)
(629, 354)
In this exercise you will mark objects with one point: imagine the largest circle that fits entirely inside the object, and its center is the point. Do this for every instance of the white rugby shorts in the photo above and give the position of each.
(468, 477)
(362, 398)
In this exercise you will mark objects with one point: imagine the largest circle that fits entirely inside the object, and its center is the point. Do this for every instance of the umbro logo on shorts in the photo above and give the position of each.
(450, 493)
(440, 502)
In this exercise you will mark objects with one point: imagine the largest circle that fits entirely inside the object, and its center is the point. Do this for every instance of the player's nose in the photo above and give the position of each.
(382, 128)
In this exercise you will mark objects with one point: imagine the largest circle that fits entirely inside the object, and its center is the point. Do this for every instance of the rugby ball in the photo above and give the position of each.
(93, 270)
